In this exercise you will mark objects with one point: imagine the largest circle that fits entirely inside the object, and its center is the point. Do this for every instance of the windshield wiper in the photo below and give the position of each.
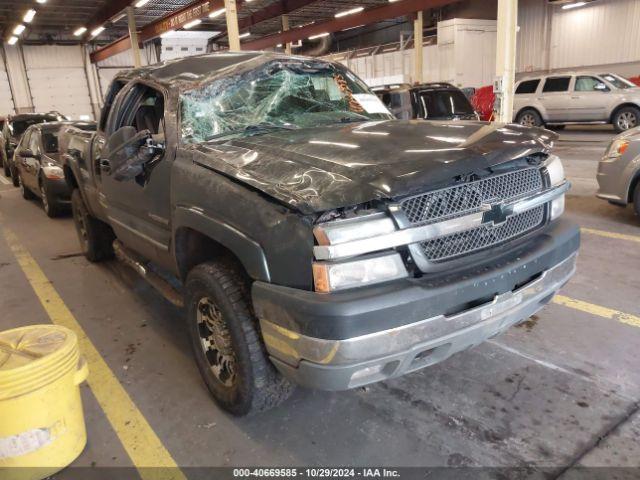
(257, 129)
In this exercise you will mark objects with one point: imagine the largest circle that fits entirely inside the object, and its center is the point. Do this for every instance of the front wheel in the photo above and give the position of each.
(226, 341)
(626, 118)
(96, 238)
(49, 202)
(529, 118)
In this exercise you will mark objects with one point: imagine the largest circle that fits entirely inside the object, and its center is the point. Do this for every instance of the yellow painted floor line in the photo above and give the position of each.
(597, 310)
(138, 438)
(617, 236)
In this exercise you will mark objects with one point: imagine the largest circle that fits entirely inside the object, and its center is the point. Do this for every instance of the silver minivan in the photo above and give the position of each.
(562, 99)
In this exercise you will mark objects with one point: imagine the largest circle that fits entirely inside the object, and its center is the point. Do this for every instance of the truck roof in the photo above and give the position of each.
(183, 72)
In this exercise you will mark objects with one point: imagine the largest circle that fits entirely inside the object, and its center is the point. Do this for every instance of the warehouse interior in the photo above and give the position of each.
(277, 201)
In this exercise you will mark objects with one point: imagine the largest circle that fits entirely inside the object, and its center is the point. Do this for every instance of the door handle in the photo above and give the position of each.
(105, 165)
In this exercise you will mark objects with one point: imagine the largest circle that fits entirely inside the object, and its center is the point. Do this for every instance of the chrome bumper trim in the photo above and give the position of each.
(505, 310)
(423, 233)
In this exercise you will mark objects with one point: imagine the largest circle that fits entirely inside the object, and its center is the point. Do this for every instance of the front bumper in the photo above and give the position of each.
(614, 179)
(345, 340)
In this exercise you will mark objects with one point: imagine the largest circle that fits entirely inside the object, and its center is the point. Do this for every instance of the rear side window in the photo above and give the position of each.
(556, 84)
(528, 86)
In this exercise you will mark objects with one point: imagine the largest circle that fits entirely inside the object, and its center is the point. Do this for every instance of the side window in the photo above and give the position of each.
(143, 109)
(556, 84)
(24, 142)
(589, 84)
(528, 86)
(114, 89)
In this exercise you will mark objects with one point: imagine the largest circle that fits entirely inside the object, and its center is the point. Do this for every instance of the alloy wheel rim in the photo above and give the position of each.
(627, 120)
(215, 340)
(527, 120)
(45, 202)
(81, 227)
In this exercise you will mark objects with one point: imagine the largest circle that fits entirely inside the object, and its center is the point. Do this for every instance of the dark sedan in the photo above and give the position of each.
(13, 129)
(38, 168)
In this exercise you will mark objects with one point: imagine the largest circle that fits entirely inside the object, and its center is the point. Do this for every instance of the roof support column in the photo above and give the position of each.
(285, 28)
(233, 31)
(133, 34)
(418, 27)
(506, 58)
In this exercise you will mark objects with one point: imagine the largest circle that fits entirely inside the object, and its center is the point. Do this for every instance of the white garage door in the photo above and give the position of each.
(6, 101)
(58, 80)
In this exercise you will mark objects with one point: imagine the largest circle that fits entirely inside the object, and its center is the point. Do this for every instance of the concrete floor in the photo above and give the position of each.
(559, 392)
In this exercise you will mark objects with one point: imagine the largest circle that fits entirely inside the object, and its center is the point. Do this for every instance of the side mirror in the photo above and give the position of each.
(126, 153)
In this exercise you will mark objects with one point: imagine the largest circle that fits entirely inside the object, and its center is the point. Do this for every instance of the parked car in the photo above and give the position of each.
(12, 132)
(429, 101)
(483, 101)
(619, 170)
(311, 237)
(38, 168)
(561, 99)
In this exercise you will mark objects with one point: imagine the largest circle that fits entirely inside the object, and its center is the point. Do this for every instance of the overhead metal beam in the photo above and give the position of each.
(272, 11)
(374, 15)
(121, 45)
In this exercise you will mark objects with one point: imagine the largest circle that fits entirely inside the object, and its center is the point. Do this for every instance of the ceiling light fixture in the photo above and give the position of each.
(19, 29)
(140, 3)
(320, 35)
(119, 17)
(13, 40)
(41, 1)
(80, 31)
(217, 13)
(97, 31)
(349, 12)
(192, 24)
(28, 17)
(573, 5)
(244, 35)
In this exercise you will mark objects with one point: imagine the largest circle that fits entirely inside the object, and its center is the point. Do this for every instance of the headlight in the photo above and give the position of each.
(557, 207)
(555, 170)
(358, 228)
(53, 172)
(328, 277)
(616, 149)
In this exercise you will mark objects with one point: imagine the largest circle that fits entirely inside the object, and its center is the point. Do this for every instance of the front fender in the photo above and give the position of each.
(247, 250)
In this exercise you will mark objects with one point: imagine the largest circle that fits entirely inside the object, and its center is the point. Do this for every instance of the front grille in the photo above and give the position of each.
(467, 198)
(457, 244)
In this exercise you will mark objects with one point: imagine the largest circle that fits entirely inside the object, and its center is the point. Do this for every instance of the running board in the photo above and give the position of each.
(141, 268)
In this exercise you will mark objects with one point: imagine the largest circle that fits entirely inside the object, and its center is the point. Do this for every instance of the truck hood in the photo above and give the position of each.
(322, 168)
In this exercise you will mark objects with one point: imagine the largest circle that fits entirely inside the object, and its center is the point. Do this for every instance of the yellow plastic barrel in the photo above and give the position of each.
(42, 426)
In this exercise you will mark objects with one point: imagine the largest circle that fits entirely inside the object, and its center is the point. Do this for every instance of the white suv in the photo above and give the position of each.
(573, 98)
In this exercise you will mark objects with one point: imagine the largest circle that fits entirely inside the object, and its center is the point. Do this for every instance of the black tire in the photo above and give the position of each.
(626, 118)
(26, 193)
(636, 199)
(219, 311)
(96, 238)
(50, 203)
(529, 118)
(14, 176)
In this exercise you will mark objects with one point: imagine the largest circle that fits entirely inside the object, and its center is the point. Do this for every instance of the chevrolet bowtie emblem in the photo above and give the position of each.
(497, 213)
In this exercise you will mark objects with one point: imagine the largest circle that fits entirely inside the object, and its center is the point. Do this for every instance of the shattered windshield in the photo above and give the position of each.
(278, 95)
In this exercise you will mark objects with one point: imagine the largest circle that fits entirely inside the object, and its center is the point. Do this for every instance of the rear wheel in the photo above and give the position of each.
(626, 118)
(96, 238)
(49, 202)
(226, 341)
(14, 176)
(529, 118)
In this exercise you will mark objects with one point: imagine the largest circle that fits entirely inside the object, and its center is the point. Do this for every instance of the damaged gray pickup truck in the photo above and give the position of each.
(312, 238)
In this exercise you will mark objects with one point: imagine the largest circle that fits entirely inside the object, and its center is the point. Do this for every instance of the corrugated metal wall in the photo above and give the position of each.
(6, 100)
(601, 33)
(57, 79)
